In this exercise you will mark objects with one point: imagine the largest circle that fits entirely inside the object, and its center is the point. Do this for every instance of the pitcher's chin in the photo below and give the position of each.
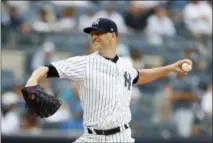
(96, 46)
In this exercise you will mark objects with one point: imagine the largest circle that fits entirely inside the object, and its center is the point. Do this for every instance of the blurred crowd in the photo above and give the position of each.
(171, 106)
(155, 18)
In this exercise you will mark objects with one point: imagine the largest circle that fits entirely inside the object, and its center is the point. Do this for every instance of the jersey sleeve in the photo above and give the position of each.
(136, 75)
(133, 71)
(73, 68)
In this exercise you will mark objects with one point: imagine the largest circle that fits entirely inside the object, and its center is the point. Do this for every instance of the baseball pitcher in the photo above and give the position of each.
(104, 81)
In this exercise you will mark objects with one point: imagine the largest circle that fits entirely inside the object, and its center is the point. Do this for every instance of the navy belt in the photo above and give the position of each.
(108, 131)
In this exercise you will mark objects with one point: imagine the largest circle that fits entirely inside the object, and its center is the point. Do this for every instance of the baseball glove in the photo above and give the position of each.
(39, 103)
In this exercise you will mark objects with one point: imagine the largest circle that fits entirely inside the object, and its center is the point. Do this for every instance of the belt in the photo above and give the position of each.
(108, 131)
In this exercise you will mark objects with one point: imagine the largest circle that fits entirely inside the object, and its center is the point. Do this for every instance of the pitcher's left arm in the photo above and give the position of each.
(149, 75)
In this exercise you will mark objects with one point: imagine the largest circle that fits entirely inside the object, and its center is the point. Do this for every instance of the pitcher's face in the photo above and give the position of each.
(100, 40)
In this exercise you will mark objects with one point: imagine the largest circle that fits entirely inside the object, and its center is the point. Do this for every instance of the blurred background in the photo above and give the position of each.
(152, 34)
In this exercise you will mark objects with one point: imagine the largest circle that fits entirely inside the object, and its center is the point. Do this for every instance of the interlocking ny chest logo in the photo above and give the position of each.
(128, 79)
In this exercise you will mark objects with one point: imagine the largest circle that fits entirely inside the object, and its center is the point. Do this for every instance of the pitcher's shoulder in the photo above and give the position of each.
(125, 61)
(92, 55)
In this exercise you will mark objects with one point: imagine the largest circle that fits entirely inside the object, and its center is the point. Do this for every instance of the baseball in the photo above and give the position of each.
(186, 67)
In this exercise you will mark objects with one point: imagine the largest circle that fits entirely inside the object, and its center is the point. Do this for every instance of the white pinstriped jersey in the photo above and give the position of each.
(105, 88)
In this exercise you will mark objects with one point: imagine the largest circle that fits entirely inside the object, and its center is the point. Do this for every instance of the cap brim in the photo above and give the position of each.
(89, 29)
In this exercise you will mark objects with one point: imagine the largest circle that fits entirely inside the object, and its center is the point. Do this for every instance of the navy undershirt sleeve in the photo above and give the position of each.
(52, 71)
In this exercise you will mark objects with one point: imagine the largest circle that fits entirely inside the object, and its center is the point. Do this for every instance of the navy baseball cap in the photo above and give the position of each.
(104, 25)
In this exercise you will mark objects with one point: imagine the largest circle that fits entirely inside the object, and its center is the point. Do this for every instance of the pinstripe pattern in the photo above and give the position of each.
(72, 68)
(104, 91)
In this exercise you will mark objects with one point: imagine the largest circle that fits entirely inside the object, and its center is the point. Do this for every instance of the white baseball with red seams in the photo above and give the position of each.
(186, 67)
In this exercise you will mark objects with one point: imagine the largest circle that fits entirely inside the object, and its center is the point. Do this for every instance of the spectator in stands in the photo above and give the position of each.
(182, 100)
(136, 17)
(77, 4)
(206, 102)
(44, 55)
(137, 58)
(4, 14)
(198, 20)
(87, 18)
(206, 106)
(10, 122)
(110, 12)
(30, 123)
(16, 21)
(201, 73)
(159, 27)
(150, 4)
(22, 6)
(202, 67)
(67, 22)
(198, 17)
(191, 53)
(163, 105)
(15, 90)
(162, 118)
(198, 117)
(45, 22)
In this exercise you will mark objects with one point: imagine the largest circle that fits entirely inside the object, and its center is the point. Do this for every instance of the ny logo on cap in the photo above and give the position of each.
(96, 22)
